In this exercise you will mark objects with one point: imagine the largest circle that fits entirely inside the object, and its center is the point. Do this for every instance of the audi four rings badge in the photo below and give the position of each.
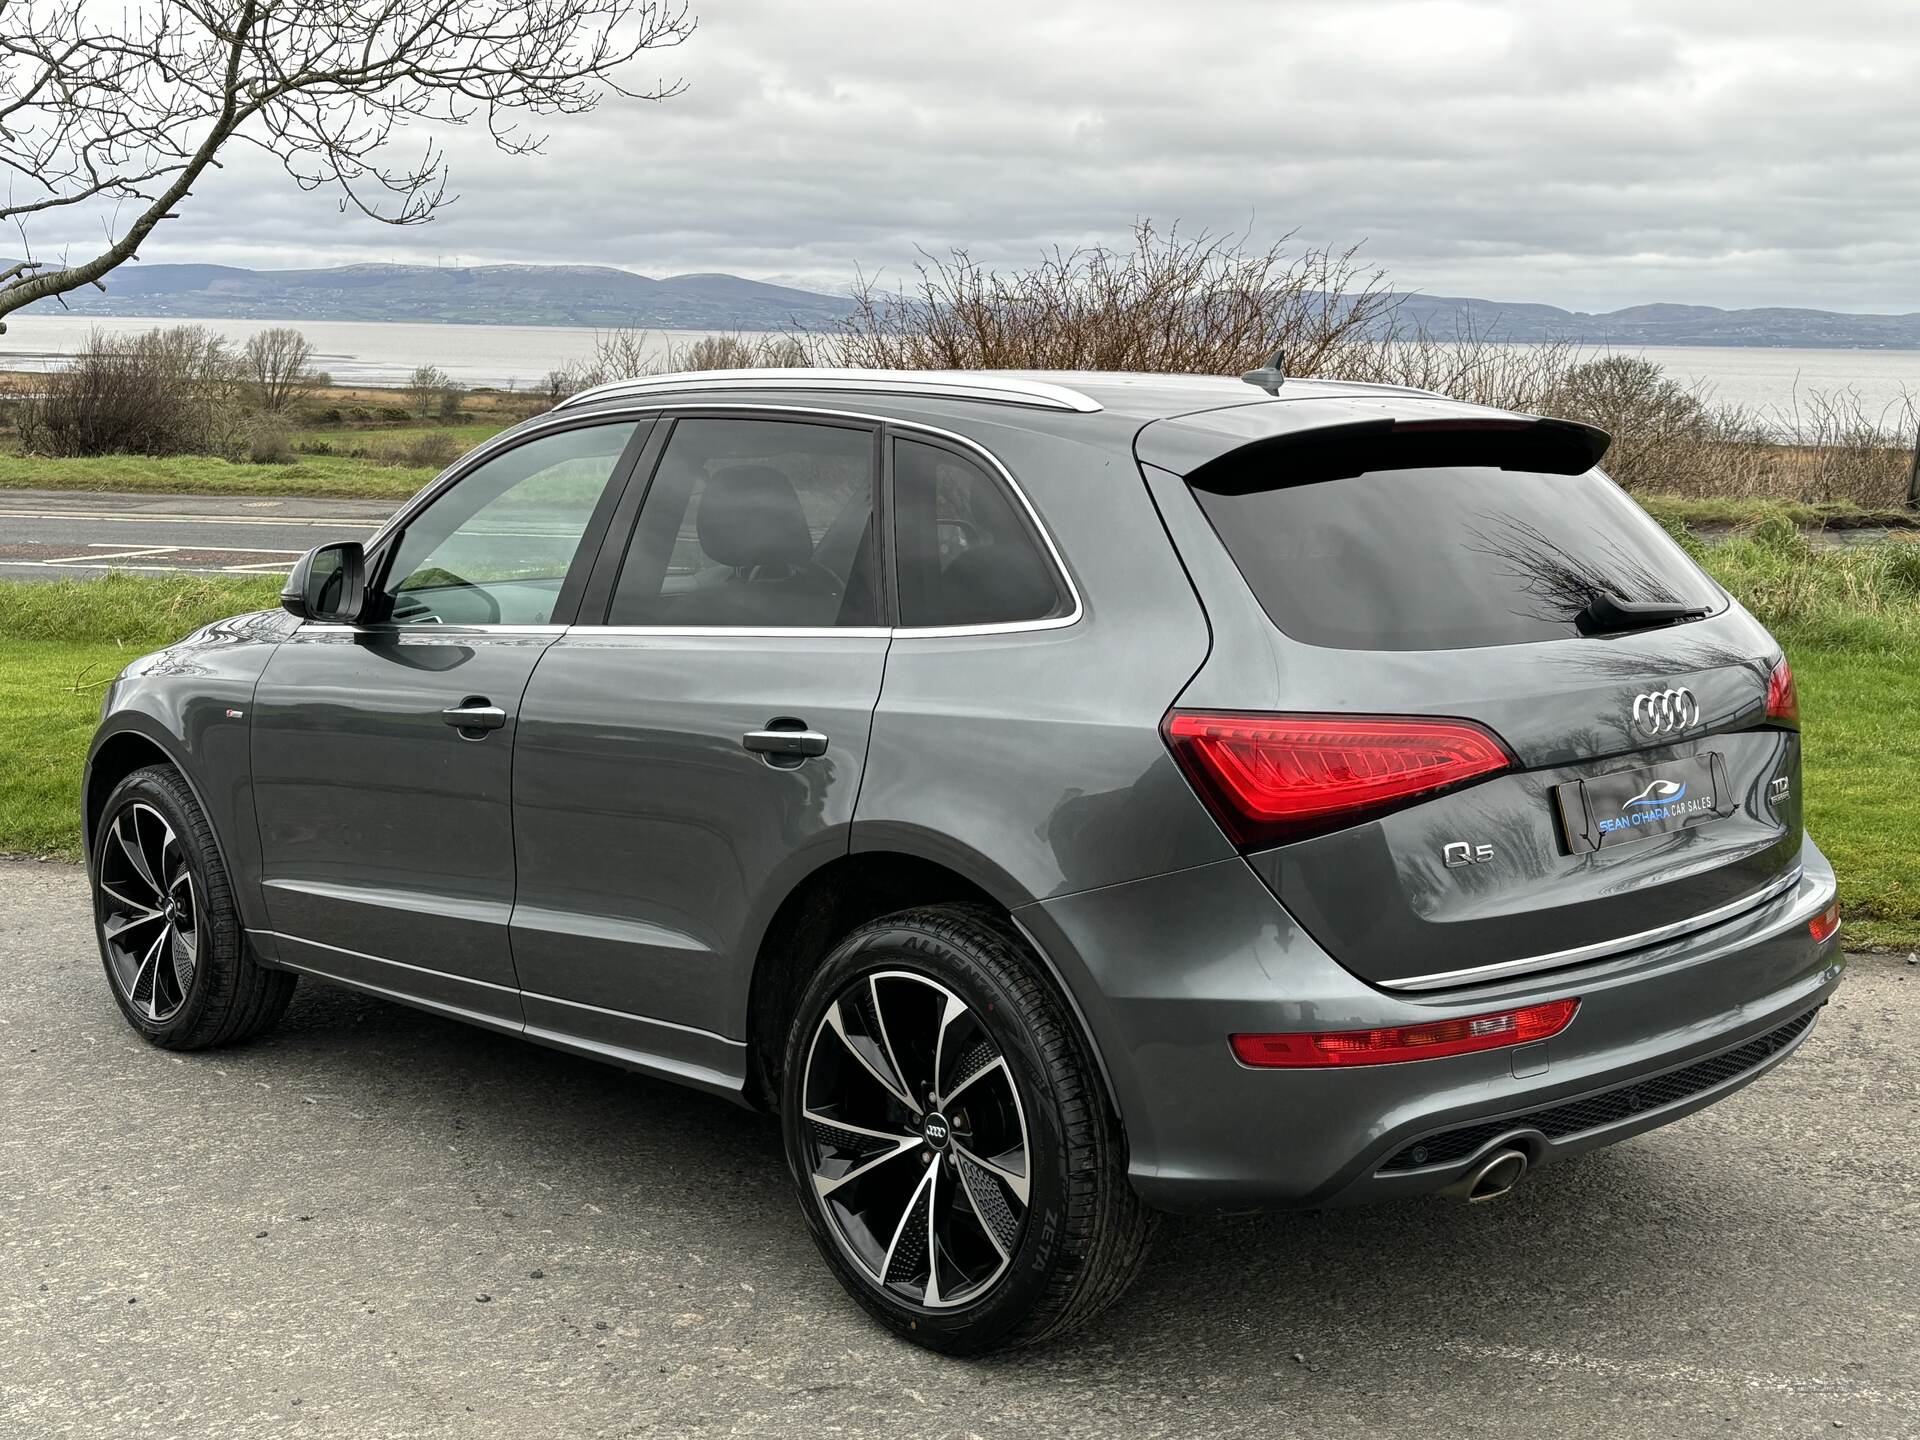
(1665, 712)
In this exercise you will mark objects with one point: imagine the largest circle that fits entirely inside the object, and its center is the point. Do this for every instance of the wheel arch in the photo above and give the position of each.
(115, 755)
(835, 899)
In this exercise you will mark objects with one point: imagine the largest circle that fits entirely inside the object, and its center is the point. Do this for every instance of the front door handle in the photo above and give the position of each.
(797, 743)
(474, 713)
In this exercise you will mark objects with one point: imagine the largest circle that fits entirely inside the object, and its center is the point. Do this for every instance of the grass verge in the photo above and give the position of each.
(338, 476)
(60, 646)
(1819, 515)
(1849, 619)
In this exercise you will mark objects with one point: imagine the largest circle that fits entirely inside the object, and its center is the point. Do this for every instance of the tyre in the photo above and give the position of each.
(954, 1152)
(170, 936)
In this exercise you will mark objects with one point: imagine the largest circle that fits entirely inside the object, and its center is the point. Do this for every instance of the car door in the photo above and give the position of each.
(383, 752)
(681, 766)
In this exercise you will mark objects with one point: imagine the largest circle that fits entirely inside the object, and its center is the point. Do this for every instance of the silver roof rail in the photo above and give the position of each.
(1004, 389)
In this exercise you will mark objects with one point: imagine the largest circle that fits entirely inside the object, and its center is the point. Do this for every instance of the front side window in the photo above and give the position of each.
(756, 524)
(965, 555)
(496, 548)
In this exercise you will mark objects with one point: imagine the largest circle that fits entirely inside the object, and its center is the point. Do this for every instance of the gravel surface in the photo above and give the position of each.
(376, 1223)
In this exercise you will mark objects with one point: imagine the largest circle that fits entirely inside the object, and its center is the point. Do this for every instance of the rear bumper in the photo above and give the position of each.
(1165, 969)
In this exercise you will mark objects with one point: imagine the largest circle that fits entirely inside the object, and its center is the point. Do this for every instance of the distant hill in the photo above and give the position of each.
(599, 295)
(1447, 315)
(586, 295)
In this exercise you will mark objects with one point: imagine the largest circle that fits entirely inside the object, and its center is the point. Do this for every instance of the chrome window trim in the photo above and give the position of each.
(431, 629)
(941, 384)
(1600, 950)
(477, 456)
(720, 632)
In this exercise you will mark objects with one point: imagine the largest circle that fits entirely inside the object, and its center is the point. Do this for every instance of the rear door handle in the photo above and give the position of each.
(474, 713)
(786, 742)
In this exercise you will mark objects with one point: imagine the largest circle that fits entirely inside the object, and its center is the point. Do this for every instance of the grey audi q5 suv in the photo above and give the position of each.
(1058, 798)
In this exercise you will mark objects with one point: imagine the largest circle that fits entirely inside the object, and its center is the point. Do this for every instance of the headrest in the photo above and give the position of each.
(750, 516)
(993, 585)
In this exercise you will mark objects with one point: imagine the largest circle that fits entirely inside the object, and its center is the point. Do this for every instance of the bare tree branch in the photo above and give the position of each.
(100, 113)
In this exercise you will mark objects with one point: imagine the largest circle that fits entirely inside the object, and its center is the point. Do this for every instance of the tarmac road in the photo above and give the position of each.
(70, 534)
(379, 1224)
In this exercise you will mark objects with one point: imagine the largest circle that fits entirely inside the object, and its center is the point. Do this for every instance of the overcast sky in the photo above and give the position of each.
(1591, 155)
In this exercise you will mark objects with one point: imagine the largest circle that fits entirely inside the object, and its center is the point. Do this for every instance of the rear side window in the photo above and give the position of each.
(966, 555)
(1450, 557)
(762, 524)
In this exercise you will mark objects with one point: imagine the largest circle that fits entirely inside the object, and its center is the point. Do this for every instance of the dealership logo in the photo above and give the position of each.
(1660, 792)
(1665, 712)
(1661, 800)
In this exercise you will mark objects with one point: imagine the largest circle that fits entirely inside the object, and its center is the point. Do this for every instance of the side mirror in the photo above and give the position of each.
(328, 584)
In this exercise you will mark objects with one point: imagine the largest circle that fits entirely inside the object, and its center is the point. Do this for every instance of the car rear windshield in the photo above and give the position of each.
(1449, 557)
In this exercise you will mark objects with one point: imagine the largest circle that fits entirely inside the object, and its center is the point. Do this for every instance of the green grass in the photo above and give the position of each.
(382, 463)
(1849, 619)
(321, 475)
(348, 440)
(1825, 514)
(61, 644)
(1858, 708)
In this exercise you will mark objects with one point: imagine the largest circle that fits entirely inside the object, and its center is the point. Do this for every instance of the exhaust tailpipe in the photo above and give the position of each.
(1492, 1178)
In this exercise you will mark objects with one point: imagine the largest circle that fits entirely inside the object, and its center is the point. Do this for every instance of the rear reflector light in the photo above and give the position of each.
(1271, 778)
(1404, 1042)
(1825, 923)
(1783, 701)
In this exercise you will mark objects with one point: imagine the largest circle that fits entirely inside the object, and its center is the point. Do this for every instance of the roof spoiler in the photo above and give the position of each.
(1338, 452)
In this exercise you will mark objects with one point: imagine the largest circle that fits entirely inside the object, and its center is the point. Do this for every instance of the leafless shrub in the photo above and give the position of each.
(1669, 438)
(165, 392)
(737, 352)
(430, 450)
(1203, 304)
(278, 366)
(424, 389)
(627, 354)
(268, 443)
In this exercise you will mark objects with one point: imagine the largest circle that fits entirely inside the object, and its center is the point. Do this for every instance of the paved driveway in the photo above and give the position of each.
(379, 1224)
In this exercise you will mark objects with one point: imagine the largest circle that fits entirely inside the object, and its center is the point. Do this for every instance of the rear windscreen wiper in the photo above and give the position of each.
(1605, 615)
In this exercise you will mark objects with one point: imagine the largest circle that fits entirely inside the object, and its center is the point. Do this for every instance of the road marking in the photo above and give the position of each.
(99, 545)
(338, 523)
(1709, 1376)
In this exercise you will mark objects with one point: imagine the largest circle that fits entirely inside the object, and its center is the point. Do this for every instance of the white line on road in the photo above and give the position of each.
(116, 555)
(350, 522)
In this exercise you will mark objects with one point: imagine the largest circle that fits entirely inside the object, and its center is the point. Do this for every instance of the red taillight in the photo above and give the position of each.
(1783, 701)
(1404, 1042)
(1825, 923)
(1270, 778)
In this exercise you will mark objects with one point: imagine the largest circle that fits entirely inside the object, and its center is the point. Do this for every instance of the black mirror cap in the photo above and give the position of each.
(328, 584)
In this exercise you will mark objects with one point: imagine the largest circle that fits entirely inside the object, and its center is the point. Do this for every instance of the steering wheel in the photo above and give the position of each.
(408, 610)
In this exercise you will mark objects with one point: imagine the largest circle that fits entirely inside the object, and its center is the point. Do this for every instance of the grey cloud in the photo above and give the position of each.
(1735, 153)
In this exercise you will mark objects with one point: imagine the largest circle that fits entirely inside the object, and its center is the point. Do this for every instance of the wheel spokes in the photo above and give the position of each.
(1014, 1180)
(943, 1235)
(837, 1021)
(990, 1210)
(908, 1237)
(118, 926)
(886, 1042)
(149, 968)
(148, 912)
(998, 1062)
(132, 849)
